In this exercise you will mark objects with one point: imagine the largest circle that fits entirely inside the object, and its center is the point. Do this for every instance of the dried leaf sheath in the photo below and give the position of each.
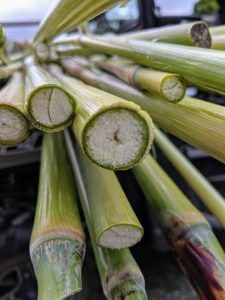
(190, 236)
(57, 244)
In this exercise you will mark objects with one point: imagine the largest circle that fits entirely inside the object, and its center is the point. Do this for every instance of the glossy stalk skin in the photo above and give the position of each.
(218, 42)
(204, 68)
(57, 244)
(93, 103)
(143, 78)
(119, 273)
(202, 187)
(39, 80)
(190, 120)
(112, 216)
(189, 34)
(12, 100)
(195, 246)
(66, 15)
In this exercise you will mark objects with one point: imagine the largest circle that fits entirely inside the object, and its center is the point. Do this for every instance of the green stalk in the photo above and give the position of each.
(114, 221)
(191, 238)
(167, 85)
(114, 133)
(8, 70)
(71, 50)
(50, 105)
(57, 244)
(14, 126)
(197, 122)
(190, 34)
(218, 42)
(66, 15)
(120, 275)
(217, 30)
(206, 192)
(204, 68)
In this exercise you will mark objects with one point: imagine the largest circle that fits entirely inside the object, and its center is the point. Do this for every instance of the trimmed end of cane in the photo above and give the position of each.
(200, 35)
(173, 89)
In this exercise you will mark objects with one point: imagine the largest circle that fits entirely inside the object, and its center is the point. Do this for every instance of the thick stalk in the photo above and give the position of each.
(50, 105)
(204, 68)
(190, 34)
(120, 275)
(66, 15)
(167, 85)
(114, 133)
(114, 221)
(203, 188)
(218, 42)
(57, 244)
(197, 122)
(217, 30)
(14, 125)
(196, 248)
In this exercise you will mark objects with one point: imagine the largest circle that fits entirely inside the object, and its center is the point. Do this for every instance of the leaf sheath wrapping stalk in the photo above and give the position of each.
(57, 244)
(120, 275)
(190, 236)
(197, 122)
(14, 125)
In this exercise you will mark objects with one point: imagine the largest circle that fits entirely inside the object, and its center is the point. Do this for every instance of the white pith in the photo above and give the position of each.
(12, 126)
(121, 236)
(116, 138)
(51, 106)
(173, 88)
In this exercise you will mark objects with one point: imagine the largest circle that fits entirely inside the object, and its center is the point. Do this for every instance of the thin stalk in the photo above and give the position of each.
(8, 70)
(57, 244)
(197, 122)
(71, 50)
(203, 188)
(167, 85)
(190, 34)
(114, 133)
(66, 15)
(120, 275)
(14, 125)
(114, 221)
(204, 68)
(50, 105)
(191, 238)
(218, 42)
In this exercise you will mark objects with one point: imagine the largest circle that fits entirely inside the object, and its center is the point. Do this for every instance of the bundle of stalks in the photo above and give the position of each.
(114, 133)
(120, 275)
(118, 226)
(57, 244)
(14, 126)
(190, 34)
(203, 188)
(66, 15)
(191, 120)
(204, 68)
(51, 107)
(196, 248)
(167, 85)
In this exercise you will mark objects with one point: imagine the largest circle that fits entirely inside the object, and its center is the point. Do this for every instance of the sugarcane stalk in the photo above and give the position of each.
(114, 221)
(195, 121)
(120, 275)
(114, 133)
(217, 30)
(57, 244)
(66, 15)
(190, 34)
(70, 50)
(203, 188)
(167, 85)
(7, 70)
(218, 42)
(50, 105)
(14, 125)
(190, 236)
(204, 68)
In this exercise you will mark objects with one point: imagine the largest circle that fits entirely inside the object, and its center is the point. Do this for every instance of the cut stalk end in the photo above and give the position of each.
(14, 127)
(120, 236)
(50, 108)
(57, 264)
(173, 89)
(200, 35)
(118, 137)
